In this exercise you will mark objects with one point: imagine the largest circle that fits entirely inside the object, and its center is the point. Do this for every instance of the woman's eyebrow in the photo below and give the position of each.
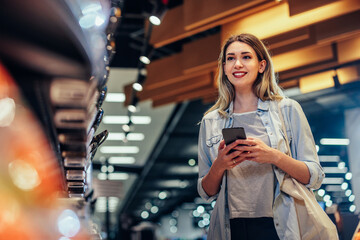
(230, 53)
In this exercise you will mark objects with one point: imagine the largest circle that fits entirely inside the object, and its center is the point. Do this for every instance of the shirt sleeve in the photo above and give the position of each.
(204, 162)
(303, 144)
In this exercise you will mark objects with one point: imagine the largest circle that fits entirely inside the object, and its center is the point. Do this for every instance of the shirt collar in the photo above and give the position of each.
(262, 105)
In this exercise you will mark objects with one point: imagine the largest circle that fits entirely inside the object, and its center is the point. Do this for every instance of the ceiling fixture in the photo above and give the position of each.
(115, 97)
(335, 141)
(119, 149)
(158, 13)
(121, 160)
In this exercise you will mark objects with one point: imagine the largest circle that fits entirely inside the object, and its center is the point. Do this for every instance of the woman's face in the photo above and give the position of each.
(242, 66)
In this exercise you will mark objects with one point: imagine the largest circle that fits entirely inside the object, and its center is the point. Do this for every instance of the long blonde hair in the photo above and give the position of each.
(265, 86)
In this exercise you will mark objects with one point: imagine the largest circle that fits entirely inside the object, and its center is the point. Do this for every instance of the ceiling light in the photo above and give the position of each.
(118, 176)
(317, 148)
(143, 71)
(173, 229)
(144, 214)
(329, 158)
(213, 204)
(103, 169)
(196, 213)
(327, 198)
(329, 203)
(110, 169)
(321, 192)
(206, 216)
(141, 119)
(158, 14)
(137, 86)
(348, 176)
(102, 176)
(201, 224)
(121, 160)
(172, 221)
(120, 136)
(344, 186)
(115, 97)
(200, 209)
(148, 205)
(348, 193)
(115, 119)
(192, 162)
(335, 141)
(154, 209)
(132, 108)
(155, 20)
(335, 170)
(162, 195)
(112, 119)
(352, 208)
(352, 198)
(144, 59)
(119, 149)
(333, 180)
(126, 128)
(341, 165)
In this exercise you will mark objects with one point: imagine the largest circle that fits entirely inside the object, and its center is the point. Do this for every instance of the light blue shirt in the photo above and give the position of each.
(302, 148)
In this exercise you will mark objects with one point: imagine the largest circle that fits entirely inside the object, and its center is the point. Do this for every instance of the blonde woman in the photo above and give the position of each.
(245, 182)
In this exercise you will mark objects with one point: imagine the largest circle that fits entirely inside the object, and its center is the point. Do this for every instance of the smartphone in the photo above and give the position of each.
(232, 134)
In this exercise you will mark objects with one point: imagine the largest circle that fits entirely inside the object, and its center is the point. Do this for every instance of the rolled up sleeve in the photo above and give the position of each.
(303, 144)
(204, 161)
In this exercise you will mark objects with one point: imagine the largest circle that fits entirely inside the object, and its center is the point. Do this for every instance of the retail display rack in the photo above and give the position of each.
(58, 54)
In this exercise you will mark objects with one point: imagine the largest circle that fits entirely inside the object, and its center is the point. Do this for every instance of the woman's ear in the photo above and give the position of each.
(262, 66)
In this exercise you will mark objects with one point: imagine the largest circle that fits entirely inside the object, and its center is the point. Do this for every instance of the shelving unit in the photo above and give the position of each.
(56, 53)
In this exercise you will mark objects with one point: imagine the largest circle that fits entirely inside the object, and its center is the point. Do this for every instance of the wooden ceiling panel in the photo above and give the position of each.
(208, 92)
(163, 71)
(201, 54)
(335, 28)
(277, 20)
(201, 12)
(300, 6)
(349, 50)
(177, 88)
(171, 28)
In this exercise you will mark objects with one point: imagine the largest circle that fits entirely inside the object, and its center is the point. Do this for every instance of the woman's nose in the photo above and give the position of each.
(238, 63)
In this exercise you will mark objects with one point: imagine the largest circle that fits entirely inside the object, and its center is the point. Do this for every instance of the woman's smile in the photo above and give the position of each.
(239, 74)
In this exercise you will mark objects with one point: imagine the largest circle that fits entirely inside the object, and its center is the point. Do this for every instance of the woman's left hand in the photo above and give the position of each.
(257, 151)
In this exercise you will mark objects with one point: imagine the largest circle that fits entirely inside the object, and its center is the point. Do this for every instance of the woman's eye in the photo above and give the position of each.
(229, 58)
(247, 57)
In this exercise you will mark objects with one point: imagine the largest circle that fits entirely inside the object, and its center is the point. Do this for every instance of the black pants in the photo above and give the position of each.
(253, 229)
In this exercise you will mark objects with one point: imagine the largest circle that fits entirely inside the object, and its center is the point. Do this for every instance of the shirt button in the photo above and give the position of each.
(277, 224)
(271, 133)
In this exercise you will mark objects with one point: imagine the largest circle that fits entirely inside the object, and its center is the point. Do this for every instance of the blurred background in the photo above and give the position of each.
(100, 103)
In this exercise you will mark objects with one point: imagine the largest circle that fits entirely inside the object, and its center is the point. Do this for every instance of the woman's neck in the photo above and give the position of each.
(245, 103)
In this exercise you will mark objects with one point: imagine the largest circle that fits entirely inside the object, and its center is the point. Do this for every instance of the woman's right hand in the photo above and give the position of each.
(226, 160)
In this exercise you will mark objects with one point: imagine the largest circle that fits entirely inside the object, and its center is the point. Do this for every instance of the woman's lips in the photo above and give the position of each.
(239, 74)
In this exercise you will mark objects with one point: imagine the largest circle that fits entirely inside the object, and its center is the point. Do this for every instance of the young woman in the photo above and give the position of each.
(246, 182)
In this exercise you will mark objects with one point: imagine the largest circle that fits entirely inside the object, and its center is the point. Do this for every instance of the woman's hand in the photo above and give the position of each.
(226, 159)
(257, 151)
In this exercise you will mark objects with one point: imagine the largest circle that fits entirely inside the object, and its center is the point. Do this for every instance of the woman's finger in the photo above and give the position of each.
(221, 145)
